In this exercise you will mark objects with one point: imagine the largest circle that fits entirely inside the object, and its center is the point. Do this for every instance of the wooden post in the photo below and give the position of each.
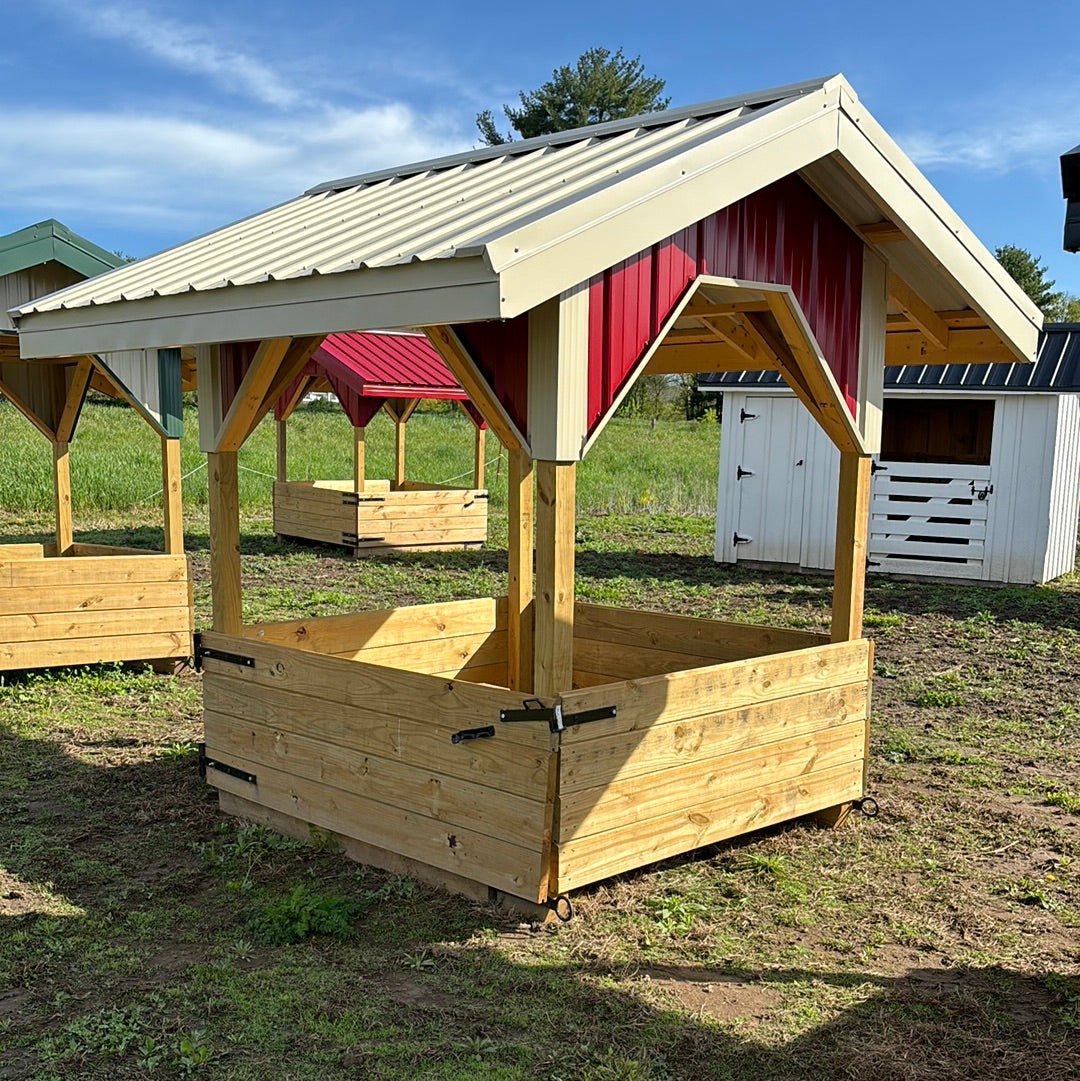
(172, 496)
(554, 634)
(399, 451)
(281, 472)
(224, 542)
(62, 497)
(478, 458)
(358, 459)
(519, 551)
(852, 522)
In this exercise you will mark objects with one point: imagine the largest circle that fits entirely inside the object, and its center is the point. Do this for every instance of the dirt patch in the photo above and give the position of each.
(718, 995)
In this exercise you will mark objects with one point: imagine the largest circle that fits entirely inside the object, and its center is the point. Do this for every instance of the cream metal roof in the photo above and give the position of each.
(494, 232)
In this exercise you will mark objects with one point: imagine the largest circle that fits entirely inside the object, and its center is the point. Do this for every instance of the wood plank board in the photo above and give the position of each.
(63, 571)
(93, 597)
(355, 684)
(120, 647)
(386, 627)
(410, 785)
(602, 855)
(596, 763)
(497, 863)
(693, 636)
(389, 539)
(43, 626)
(374, 729)
(644, 702)
(622, 803)
(442, 656)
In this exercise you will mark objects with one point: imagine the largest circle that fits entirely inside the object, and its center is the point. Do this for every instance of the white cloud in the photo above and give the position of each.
(184, 46)
(183, 176)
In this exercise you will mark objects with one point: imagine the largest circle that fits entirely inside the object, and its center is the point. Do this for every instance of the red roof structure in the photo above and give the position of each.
(366, 370)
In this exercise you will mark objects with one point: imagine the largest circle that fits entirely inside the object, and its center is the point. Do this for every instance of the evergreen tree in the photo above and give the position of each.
(1029, 273)
(599, 86)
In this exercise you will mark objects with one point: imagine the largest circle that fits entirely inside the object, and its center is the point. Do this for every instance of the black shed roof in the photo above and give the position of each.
(1056, 369)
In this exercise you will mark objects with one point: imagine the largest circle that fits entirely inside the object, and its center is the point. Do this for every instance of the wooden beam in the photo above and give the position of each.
(224, 501)
(882, 232)
(829, 408)
(281, 458)
(554, 634)
(976, 346)
(246, 409)
(519, 553)
(172, 496)
(359, 469)
(715, 356)
(744, 339)
(705, 308)
(852, 522)
(76, 392)
(478, 457)
(965, 319)
(62, 497)
(918, 311)
(448, 345)
(300, 351)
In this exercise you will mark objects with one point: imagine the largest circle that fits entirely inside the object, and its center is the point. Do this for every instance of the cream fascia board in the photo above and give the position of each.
(907, 197)
(440, 291)
(537, 261)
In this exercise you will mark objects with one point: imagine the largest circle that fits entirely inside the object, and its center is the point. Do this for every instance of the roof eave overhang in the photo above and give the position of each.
(421, 293)
(879, 166)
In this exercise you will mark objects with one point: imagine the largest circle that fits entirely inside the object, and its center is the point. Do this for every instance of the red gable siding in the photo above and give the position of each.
(783, 234)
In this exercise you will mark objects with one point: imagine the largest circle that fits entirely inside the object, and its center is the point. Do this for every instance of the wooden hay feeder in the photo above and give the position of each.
(530, 745)
(70, 603)
(369, 372)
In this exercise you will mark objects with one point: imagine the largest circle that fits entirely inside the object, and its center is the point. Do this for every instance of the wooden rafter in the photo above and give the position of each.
(979, 345)
(300, 351)
(882, 232)
(917, 311)
(76, 392)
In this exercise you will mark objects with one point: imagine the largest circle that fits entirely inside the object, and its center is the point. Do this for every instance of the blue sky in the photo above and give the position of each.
(140, 123)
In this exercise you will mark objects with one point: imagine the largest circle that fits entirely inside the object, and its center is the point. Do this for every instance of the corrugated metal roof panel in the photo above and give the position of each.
(1056, 368)
(388, 365)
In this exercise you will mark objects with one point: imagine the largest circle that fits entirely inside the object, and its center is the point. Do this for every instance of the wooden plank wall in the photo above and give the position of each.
(415, 516)
(82, 609)
(623, 643)
(698, 756)
(456, 640)
(365, 751)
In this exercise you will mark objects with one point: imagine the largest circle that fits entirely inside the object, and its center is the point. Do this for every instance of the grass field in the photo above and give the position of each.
(143, 936)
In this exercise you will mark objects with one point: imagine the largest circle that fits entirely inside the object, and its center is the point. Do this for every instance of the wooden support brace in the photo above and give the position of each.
(478, 458)
(65, 426)
(172, 496)
(281, 459)
(852, 523)
(359, 470)
(448, 345)
(247, 408)
(554, 634)
(933, 327)
(224, 542)
(519, 552)
(300, 351)
(62, 497)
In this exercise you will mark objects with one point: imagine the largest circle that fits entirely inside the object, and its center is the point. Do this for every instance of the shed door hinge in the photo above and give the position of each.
(877, 467)
(744, 416)
(557, 721)
(202, 651)
(740, 472)
(737, 540)
(206, 762)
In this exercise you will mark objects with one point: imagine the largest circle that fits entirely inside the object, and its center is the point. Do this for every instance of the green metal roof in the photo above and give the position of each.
(53, 242)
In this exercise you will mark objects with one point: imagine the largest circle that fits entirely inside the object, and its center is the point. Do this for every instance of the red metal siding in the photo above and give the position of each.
(783, 234)
(501, 352)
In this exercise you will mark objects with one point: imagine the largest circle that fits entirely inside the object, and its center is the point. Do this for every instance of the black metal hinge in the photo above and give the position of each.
(354, 499)
(202, 651)
(740, 472)
(206, 762)
(744, 416)
(877, 467)
(473, 733)
(557, 721)
(737, 540)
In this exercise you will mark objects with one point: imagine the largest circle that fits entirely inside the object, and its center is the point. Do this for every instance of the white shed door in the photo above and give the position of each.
(769, 471)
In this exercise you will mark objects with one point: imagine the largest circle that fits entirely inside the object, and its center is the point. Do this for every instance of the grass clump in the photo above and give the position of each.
(303, 912)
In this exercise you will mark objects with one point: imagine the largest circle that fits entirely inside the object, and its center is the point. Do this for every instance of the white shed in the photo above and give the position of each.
(978, 476)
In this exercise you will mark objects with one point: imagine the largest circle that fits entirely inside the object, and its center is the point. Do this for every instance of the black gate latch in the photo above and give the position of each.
(557, 721)
(202, 651)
